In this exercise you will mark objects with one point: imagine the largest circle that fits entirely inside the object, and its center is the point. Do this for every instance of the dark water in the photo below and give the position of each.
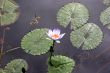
(94, 61)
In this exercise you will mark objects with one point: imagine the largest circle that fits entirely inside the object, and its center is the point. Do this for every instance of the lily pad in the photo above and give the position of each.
(61, 64)
(105, 17)
(36, 42)
(106, 2)
(8, 12)
(74, 13)
(87, 37)
(15, 66)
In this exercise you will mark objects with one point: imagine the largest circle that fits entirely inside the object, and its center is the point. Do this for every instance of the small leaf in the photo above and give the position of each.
(8, 12)
(16, 66)
(105, 17)
(87, 37)
(36, 42)
(61, 64)
(74, 13)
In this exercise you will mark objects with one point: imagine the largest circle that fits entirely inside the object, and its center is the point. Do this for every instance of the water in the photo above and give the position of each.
(47, 10)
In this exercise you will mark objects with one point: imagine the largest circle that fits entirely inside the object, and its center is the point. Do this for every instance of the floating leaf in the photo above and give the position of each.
(15, 66)
(87, 37)
(36, 42)
(74, 13)
(8, 12)
(61, 64)
(105, 17)
(106, 2)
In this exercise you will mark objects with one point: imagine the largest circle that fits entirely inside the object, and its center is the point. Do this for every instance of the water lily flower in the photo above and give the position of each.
(55, 34)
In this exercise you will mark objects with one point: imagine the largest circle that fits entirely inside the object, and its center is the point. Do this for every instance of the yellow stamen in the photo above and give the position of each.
(55, 36)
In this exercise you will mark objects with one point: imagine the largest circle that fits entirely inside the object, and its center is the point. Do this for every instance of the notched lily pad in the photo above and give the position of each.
(105, 17)
(9, 12)
(61, 64)
(87, 37)
(74, 13)
(15, 66)
(36, 42)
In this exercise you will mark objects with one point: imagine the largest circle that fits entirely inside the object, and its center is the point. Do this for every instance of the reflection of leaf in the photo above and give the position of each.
(88, 37)
(8, 18)
(105, 17)
(61, 64)
(75, 13)
(35, 42)
(15, 66)
(106, 2)
(8, 12)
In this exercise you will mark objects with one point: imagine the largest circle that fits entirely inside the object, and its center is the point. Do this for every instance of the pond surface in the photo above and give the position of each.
(94, 61)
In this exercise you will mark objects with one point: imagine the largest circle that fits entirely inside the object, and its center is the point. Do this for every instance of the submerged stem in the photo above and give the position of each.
(3, 53)
(1, 59)
(12, 49)
(2, 46)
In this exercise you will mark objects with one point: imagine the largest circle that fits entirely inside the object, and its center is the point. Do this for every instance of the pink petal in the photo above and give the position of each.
(50, 32)
(56, 31)
(62, 35)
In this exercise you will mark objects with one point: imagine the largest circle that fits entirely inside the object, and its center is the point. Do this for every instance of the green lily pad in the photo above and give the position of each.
(8, 12)
(87, 37)
(15, 66)
(61, 64)
(36, 42)
(105, 17)
(106, 2)
(75, 13)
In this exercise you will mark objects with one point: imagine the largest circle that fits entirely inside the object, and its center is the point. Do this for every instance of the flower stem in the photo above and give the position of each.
(51, 53)
(23, 70)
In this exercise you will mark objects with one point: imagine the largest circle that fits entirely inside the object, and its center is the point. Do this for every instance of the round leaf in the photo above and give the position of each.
(16, 66)
(36, 42)
(74, 13)
(61, 64)
(106, 2)
(87, 37)
(105, 17)
(8, 12)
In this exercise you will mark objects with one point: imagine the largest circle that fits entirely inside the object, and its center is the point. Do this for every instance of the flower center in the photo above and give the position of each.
(55, 36)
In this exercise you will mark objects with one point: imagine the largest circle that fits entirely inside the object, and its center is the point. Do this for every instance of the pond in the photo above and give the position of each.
(38, 14)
